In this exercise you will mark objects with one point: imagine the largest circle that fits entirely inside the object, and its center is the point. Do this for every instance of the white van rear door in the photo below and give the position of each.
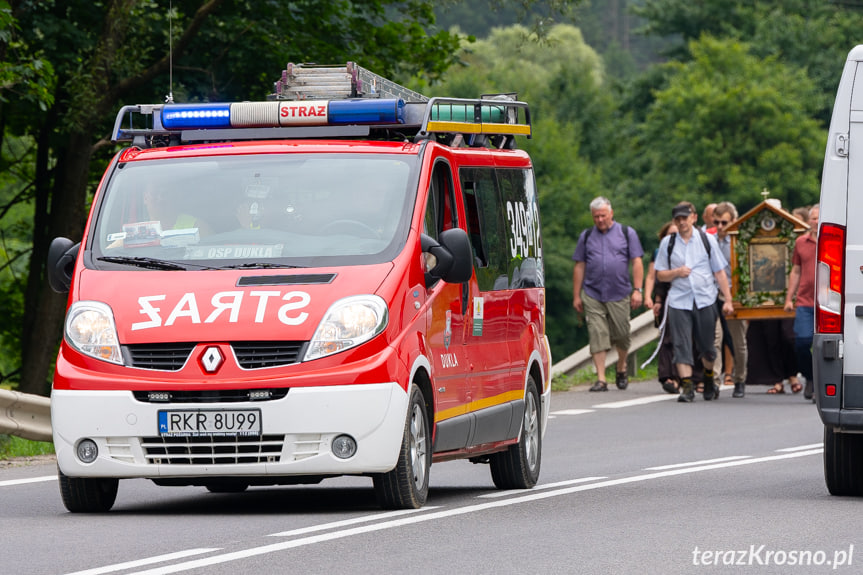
(843, 173)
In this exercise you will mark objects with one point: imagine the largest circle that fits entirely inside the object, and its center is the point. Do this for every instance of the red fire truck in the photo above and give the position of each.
(345, 279)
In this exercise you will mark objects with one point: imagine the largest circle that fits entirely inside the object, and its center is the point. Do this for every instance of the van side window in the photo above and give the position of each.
(440, 207)
(524, 243)
(485, 214)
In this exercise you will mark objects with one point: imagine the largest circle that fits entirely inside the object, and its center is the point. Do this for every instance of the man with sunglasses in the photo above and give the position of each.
(724, 214)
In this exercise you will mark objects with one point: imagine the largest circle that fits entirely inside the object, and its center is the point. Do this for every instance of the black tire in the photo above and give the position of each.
(843, 462)
(518, 466)
(88, 494)
(407, 485)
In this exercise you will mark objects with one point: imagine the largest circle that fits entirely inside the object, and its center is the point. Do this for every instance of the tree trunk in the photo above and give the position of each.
(44, 310)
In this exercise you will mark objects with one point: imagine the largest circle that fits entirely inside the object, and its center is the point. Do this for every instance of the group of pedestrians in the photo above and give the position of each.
(688, 287)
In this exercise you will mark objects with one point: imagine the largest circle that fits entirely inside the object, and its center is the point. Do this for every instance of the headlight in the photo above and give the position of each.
(90, 329)
(348, 323)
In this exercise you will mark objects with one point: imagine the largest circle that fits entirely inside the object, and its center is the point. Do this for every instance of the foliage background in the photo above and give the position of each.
(647, 102)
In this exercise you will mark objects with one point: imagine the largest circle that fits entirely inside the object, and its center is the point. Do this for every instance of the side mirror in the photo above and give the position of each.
(451, 260)
(60, 266)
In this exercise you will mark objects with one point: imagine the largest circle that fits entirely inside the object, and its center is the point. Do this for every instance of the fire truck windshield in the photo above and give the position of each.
(267, 210)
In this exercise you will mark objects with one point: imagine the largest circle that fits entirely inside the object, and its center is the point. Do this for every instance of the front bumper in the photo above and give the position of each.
(296, 437)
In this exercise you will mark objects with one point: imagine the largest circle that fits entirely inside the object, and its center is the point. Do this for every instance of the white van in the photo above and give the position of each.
(838, 339)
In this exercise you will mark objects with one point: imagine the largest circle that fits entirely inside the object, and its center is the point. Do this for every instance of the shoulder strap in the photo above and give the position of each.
(626, 235)
(705, 241)
(671, 239)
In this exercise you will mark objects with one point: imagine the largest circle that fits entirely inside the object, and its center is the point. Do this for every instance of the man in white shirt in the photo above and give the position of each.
(695, 266)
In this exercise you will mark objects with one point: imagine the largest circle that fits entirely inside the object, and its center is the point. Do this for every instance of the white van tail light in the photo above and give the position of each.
(90, 329)
(829, 279)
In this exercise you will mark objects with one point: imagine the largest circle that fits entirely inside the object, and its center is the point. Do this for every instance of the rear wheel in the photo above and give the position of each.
(88, 494)
(843, 462)
(518, 466)
(407, 485)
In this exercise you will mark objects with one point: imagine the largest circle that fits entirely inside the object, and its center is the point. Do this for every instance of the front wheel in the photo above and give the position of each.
(87, 494)
(843, 462)
(518, 466)
(407, 485)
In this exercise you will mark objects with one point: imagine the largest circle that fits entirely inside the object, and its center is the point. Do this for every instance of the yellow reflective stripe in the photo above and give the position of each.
(453, 127)
(518, 129)
(479, 404)
(469, 128)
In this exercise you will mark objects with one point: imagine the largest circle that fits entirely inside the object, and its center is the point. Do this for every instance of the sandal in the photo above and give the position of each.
(699, 387)
(776, 389)
(796, 387)
(670, 386)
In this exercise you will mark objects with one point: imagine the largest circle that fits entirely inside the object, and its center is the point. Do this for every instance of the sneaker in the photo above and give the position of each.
(687, 393)
(711, 390)
(599, 386)
(739, 389)
(622, 381)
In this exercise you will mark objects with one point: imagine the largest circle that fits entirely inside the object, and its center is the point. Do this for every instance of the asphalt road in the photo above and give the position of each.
(631, 482)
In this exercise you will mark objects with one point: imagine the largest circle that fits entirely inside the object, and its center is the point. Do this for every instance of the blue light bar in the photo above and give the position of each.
(282, 113)
(387, 111)
(195, 116)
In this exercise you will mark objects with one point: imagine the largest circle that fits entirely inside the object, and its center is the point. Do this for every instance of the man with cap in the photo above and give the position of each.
(693, 262)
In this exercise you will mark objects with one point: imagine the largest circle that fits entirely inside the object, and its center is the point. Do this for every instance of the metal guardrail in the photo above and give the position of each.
(25, 415)
(643, 332)
(29, 416)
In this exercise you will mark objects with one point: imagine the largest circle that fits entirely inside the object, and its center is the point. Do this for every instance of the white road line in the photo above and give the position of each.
(801, 447)
(346, 522)
(541, 486)
(572, 411)
(702, 462)
(646, 400)
(10, 482)
(636, 401)
(421, 518)
(143, 562)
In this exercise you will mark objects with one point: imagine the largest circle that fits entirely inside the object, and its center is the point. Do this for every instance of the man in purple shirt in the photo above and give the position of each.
(602, 260)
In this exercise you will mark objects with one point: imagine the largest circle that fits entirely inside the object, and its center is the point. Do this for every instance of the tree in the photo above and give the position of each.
(727, 125)
(115, 52)
(814, 35)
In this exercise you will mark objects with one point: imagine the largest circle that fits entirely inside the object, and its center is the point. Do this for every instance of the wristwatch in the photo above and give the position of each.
(639, 290)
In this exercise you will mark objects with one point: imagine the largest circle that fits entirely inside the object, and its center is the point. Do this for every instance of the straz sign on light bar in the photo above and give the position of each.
(299, 113)
(210, 422)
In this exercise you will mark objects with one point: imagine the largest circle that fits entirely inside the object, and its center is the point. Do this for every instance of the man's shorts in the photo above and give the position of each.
(688, 326)
(607, 323)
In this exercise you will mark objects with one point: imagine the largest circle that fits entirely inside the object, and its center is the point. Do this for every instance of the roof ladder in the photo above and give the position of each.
(314, 82)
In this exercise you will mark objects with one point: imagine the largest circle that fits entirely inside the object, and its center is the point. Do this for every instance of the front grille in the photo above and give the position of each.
(162, 356)
(231, 450)
(212, 395)
(258, 354)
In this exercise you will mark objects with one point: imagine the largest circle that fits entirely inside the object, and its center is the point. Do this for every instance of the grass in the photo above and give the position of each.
(12, 446)
(563, 382)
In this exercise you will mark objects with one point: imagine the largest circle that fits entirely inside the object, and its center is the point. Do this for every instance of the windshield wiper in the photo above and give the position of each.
(151, 263)
(259, 265)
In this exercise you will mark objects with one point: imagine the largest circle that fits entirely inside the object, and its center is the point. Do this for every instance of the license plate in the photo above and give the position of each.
(213, 422)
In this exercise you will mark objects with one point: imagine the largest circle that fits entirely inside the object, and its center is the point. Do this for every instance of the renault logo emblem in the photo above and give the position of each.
(212, 359)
